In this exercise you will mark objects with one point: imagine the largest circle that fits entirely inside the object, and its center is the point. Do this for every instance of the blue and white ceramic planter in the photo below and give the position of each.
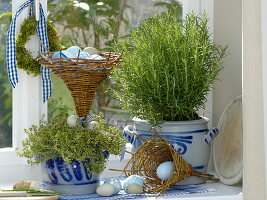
(69, 179)
(190, 138)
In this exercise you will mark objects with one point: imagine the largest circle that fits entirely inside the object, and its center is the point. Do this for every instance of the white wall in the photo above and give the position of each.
(254, 121)
(264, 64)
(227, 26)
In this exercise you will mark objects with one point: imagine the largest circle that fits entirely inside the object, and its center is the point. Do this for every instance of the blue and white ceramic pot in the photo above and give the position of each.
(69, 179)
(190, 138)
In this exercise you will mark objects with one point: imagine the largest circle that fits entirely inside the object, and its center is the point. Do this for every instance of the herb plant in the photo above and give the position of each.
(50, 140)
(169, 66)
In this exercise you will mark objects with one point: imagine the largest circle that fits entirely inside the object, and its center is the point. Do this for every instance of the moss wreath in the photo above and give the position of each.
(25, 60)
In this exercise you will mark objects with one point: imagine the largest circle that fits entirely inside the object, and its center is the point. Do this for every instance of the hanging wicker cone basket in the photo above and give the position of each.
(150, 155)
(82, 76)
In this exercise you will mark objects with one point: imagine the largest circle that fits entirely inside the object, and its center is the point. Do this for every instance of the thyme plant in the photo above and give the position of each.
(49, 140)
(169, 66)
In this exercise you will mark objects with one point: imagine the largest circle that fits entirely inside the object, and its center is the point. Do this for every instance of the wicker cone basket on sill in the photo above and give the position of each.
(82, 76)
(150, 155)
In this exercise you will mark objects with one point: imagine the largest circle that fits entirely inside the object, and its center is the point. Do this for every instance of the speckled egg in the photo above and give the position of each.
(165, 170)
(134, 188)
(135, 183)
(115, 182)
(105, 190)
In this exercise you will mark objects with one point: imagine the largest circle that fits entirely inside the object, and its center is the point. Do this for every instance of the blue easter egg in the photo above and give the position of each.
(57, 55)
(74, 50)
(63, 54)
(83, 54)
(115, 182)
(165, 170)
(133, 179)
(68, 54)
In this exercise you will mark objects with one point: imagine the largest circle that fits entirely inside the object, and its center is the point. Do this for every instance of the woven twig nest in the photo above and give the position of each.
(150, 155)
(81, 75)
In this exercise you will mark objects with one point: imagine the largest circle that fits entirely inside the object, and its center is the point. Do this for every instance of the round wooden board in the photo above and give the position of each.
(227, 148)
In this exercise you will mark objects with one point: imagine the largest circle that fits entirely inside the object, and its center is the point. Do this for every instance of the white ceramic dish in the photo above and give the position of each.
(227, 148)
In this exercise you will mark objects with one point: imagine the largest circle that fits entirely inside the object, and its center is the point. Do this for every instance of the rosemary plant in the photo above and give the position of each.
(169, 66)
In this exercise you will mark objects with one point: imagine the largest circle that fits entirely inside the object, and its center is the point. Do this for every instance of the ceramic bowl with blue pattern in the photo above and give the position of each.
(69, 179)
(191, 139)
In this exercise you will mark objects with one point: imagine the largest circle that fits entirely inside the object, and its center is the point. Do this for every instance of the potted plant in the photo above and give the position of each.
(72, 157)
(169, 66)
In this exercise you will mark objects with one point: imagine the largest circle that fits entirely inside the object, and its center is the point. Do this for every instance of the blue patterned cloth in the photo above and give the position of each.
(174, 192)
(11, 49)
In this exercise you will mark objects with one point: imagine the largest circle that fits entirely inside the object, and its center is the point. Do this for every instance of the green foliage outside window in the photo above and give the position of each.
(98, 27)
(5, 87)
(88, 22)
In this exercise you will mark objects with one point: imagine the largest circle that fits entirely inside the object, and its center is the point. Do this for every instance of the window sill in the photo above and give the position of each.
(9, 157)
(222, 192)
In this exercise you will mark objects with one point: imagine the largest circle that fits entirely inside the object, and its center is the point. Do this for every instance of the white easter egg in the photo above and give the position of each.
(165, 170)
(93, 124)
(72, 120)
(105, 190)
(115, 182)
(134, 188)
(91, 50)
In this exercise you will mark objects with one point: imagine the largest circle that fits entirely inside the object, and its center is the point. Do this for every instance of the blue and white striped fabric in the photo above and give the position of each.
(11, 49)
(173, 192)
(31, 10)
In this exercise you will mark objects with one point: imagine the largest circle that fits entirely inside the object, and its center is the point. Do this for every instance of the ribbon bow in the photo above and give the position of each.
(11, 49)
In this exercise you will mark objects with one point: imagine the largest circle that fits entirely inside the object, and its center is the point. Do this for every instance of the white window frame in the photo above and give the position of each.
(27, 109)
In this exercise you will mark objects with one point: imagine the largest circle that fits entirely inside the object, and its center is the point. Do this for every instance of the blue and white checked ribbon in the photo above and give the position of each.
(11, 49)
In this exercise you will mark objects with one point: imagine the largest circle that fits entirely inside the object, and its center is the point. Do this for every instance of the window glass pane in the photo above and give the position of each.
(5, 87)
(98, 24)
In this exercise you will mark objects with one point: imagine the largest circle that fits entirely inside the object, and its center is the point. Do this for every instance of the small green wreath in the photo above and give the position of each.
(25, 60)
